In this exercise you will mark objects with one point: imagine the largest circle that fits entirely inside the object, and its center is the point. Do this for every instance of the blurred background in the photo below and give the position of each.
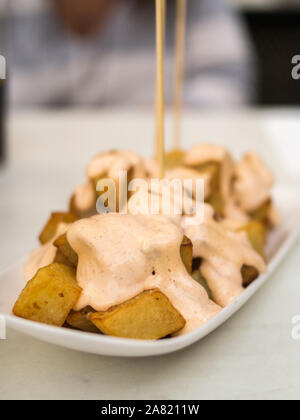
(274, 28)
(101, 52)
(86, 57)
(98, 54)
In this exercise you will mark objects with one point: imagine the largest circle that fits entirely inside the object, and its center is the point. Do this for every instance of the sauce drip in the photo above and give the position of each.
(208, 153)
(253, 182)
(84, 200)
(223, 253)
(44, 255)
(146, 255)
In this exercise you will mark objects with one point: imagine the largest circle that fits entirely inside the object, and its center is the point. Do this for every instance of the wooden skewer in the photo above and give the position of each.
(160, 111)
(164, 6)
(179, 70)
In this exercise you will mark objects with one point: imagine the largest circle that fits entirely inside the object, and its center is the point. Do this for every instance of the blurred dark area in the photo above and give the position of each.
(274, 31)
(276, 35)
(2, 119)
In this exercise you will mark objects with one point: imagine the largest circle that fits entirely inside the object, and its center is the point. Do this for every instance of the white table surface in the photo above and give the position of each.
(251, 357)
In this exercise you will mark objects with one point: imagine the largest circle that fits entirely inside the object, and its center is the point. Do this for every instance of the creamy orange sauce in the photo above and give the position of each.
(110, 164)
(223, 253)
(44, 255)
(253, 182)
(207, 153)
(232, 212)
(146, 203)
(183, 173)
(162, 198)
(120, 256)
(84, 199)
(180, 173)
(151, 168)
(120, 167)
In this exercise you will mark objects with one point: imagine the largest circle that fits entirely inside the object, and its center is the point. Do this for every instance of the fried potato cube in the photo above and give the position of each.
(214, 170)
(79, 321)
(215, 198)
(61, 259)
(65, 249)
(50, 228)
(49, 296)
(250, 274)
(257, 236)
(217, 203)
(174, 159)
(262, 214)
(186, 252)
(148, 316)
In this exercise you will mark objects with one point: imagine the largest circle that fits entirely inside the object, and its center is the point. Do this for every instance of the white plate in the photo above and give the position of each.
(281, 240)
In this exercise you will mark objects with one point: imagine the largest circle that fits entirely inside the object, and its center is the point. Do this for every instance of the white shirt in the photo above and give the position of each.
(49, 66)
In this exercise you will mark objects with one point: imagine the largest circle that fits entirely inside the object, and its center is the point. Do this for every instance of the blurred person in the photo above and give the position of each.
(102, 52)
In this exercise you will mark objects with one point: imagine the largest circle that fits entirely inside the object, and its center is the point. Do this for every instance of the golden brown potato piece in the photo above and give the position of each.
(186, 252)
(61, 259)
(214, 170)
(50, 228)
(79, 321)
(174, 159)
(65, 249)
(250, 274)
(148, 316)
(49, 296)
(257, 234)
(215, 199)
(197, 275)
(262, 214)
(217, 203)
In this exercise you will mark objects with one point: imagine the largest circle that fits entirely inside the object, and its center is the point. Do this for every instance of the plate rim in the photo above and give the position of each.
(143, 348)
